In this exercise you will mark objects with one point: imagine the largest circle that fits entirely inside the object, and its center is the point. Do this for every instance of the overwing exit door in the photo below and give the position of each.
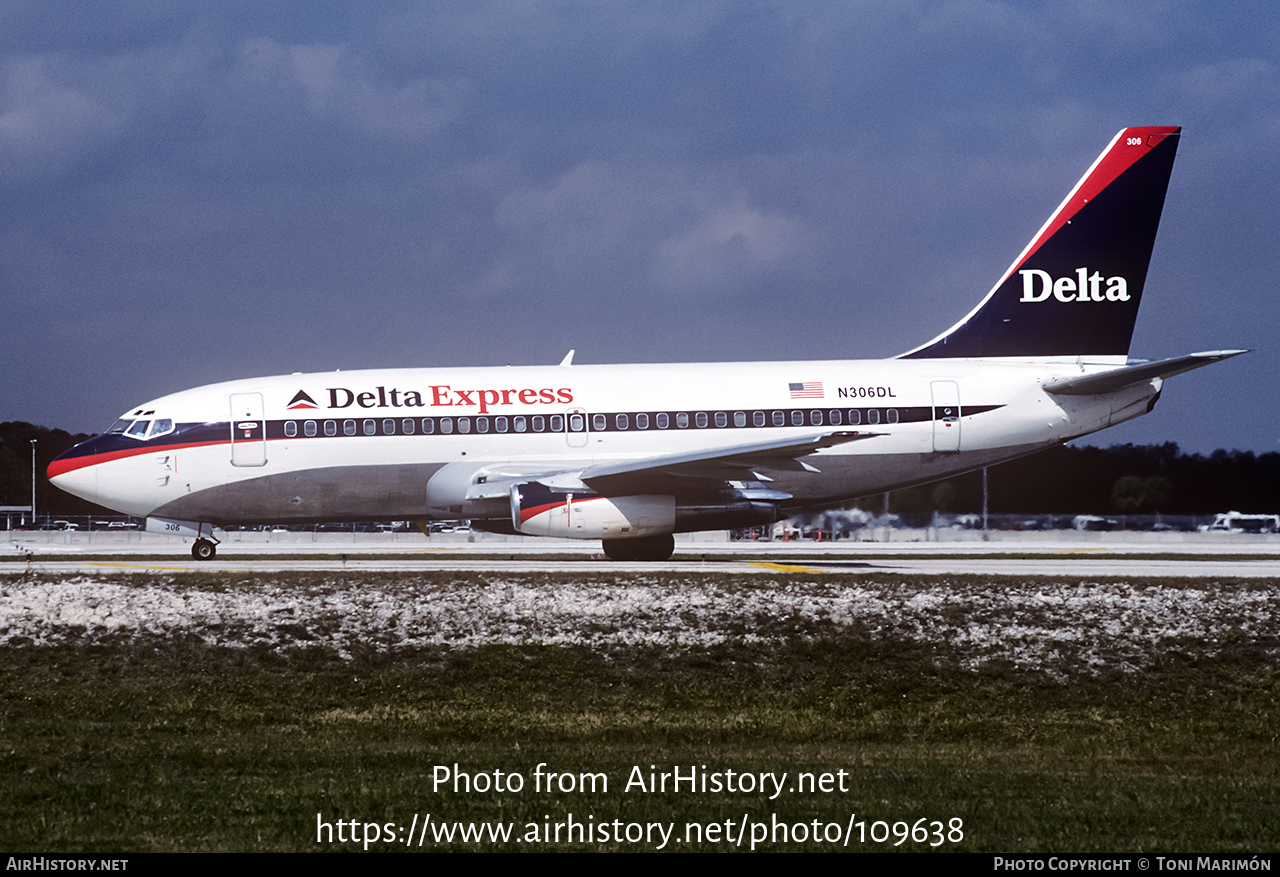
(575, 427)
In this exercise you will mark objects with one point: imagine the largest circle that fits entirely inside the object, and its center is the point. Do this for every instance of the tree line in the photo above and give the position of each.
(15, 469)
(1121, 479)
(1129, 479)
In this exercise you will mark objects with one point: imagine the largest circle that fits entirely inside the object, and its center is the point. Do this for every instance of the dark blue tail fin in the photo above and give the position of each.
(1075, 289)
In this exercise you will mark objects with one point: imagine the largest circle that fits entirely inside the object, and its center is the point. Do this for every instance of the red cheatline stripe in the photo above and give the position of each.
(62, 467)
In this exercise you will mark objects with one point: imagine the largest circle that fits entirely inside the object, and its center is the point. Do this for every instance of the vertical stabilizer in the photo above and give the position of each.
(1074, 291)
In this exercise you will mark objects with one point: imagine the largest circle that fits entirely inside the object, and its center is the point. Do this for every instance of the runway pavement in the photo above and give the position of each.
(1031, 556)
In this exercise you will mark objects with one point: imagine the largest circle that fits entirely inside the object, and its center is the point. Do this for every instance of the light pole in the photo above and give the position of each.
(33, 481)
(984, 499)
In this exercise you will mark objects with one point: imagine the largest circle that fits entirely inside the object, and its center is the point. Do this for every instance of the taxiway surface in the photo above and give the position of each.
(1190, 558)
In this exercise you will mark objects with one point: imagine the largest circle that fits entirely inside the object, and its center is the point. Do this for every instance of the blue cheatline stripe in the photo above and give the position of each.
(193, 434)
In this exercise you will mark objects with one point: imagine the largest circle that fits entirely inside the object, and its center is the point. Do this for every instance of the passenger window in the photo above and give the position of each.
(348, 427)
(388, 427)
(598, 422)
(482, 424)
(834, 414)
(682, 420)
(499, 424)
(537, 423)
(739, 418)
(309, 428)
(370, 427)
(290, 428)
(700, 419)
(757, 417)
(663, 420)
(446, 425)
(464, 424)
(518, 423)
(855, 416)
(557, 422)
(576, 423)
(722, 419)
(331, 427)
(873, 415)
(797, 418)
(893, 415)
(815, 417)
(642, 421)
(428, 426)
(622, 422)
(779, 418)
(406, 426)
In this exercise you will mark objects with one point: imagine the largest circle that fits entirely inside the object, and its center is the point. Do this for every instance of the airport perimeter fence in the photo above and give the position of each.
(21, 521)
(826, 526)
(839, 525)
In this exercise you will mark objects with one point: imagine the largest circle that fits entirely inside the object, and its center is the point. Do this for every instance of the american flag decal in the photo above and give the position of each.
(806, 390)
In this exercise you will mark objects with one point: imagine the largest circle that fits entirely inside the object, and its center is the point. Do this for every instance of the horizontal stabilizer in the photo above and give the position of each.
(1118, 379)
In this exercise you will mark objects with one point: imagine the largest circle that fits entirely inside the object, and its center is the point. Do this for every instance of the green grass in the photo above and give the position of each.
(172, 745)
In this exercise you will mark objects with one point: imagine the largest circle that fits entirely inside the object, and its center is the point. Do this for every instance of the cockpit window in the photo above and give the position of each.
(160, 427)
(119, 426)
(139, 429)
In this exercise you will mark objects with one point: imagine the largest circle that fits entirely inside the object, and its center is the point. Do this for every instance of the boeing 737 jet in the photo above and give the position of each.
(631, 454)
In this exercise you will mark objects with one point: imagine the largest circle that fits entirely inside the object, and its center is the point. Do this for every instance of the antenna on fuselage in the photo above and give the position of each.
(567, 362)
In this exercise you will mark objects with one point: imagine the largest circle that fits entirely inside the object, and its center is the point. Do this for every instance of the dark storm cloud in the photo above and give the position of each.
(195, 192)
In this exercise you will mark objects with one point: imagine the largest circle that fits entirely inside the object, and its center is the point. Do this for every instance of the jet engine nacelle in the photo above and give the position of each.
(539, 510)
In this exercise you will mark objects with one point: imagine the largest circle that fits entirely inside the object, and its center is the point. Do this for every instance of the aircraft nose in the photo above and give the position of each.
(75, 471)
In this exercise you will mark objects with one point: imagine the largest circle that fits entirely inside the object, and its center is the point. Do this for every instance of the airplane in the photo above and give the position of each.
(632, 454)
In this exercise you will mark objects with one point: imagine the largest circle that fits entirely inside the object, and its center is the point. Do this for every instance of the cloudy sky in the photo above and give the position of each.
(194, 192)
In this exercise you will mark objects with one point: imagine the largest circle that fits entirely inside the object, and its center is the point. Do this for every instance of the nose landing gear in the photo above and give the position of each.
(204, 549)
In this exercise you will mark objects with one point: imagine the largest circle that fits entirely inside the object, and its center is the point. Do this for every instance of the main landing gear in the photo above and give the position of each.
(204, 549)
(646, 548)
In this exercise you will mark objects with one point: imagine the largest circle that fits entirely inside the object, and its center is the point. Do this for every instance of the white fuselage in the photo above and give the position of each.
(415, 443)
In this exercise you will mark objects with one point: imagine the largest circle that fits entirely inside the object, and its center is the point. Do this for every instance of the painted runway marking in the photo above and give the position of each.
(139, 566)
(783, 567)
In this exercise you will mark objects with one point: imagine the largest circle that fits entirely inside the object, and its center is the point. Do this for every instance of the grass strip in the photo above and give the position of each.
(139, 744)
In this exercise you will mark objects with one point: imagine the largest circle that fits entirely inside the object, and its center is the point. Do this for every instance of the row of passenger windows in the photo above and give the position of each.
(703, 419)
(599, 422)
(428, 425)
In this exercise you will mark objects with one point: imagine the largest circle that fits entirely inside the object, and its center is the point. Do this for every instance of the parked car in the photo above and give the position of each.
(1093, 523)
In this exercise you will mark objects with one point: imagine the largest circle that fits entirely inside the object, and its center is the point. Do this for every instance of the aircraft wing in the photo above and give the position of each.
(720, 464)
(1118, 379)
(484, 488)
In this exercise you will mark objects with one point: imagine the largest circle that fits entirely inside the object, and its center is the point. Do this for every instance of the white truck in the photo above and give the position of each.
(1237, 522)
